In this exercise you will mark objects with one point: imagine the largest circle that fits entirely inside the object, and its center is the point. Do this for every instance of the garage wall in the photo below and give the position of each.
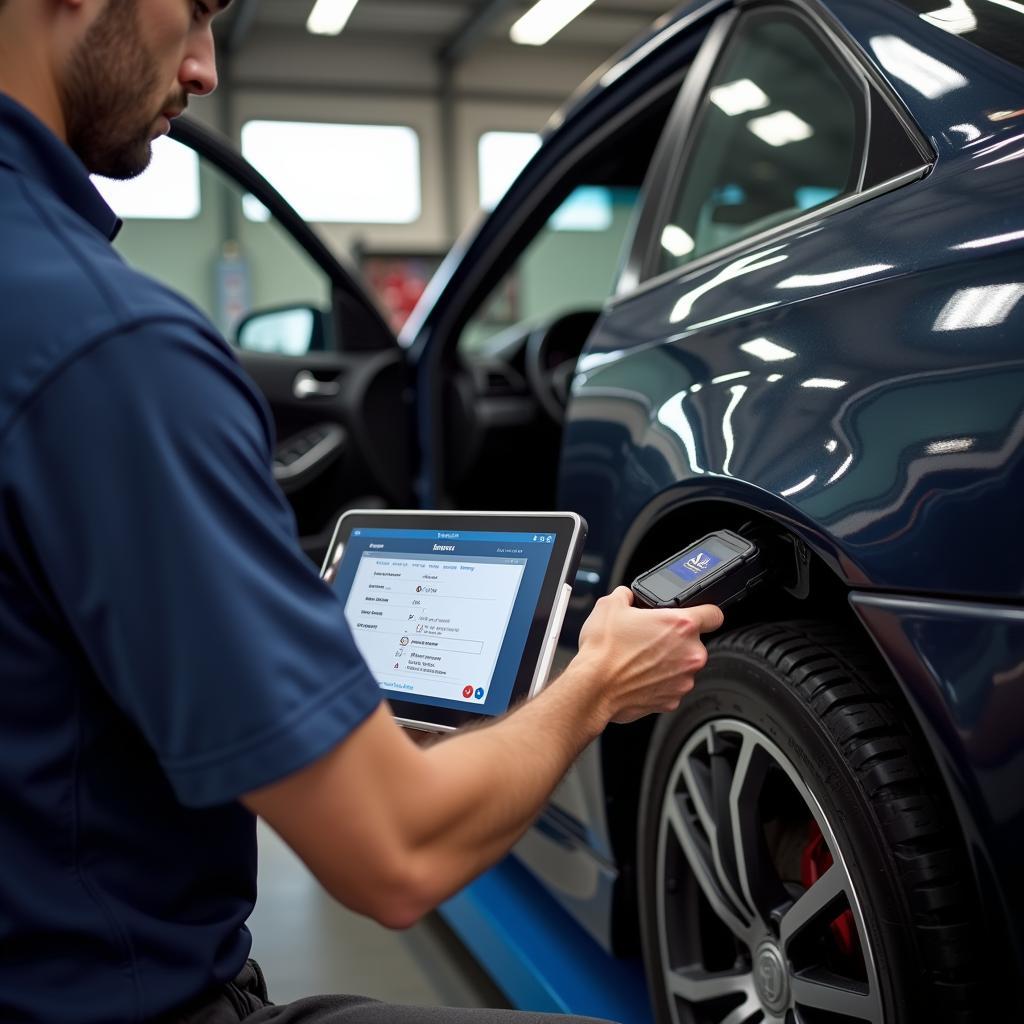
(294, 76)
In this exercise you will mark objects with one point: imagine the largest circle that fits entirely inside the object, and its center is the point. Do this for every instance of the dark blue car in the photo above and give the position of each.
(766, 273)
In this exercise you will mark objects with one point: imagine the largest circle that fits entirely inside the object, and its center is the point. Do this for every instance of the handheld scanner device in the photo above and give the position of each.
(719, 569)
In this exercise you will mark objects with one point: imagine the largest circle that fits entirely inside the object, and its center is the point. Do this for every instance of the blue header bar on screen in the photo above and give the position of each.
(477, 535)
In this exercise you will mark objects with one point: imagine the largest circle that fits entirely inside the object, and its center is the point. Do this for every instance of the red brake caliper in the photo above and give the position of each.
(814, 862)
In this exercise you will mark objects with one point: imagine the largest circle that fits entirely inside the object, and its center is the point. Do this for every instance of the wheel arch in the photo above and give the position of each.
(813, 572)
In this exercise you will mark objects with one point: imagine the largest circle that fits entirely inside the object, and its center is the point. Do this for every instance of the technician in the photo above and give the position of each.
(171, 666)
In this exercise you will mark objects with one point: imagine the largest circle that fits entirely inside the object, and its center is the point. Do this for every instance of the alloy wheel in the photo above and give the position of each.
(779, 935)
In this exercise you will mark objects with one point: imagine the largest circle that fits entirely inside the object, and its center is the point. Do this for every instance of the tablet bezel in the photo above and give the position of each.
(569, 531)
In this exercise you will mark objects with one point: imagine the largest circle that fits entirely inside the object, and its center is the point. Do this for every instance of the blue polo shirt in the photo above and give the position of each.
(164, 645)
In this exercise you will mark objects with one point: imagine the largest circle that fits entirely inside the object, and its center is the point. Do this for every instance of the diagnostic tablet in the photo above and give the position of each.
(457, 614)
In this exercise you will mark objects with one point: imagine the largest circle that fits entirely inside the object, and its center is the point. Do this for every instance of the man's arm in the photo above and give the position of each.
(392, 829)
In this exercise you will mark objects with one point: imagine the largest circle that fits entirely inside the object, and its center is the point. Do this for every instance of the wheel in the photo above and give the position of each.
(797, 861)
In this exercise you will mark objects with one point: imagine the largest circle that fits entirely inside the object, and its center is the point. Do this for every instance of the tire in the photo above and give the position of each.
(798, 858)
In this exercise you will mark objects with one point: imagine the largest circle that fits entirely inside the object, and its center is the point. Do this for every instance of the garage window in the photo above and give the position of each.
(167, 190)
(339, 173)
(780, 132)
(501, 156)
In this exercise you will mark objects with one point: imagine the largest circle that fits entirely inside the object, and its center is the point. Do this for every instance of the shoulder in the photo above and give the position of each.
(68, 293)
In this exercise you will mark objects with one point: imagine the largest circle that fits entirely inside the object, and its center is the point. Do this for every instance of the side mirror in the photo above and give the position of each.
(287, 331)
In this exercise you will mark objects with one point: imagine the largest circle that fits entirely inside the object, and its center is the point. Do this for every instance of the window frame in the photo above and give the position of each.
(671, 164)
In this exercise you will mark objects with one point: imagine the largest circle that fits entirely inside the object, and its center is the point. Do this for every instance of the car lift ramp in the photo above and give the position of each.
(538, 955)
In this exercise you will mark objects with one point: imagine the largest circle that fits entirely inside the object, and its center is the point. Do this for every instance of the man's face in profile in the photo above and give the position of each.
(123, 78)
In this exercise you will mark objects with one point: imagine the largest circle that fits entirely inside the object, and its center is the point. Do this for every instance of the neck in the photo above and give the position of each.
(27, 73)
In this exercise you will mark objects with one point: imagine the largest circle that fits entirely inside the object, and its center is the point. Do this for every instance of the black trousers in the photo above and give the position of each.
(246, 999)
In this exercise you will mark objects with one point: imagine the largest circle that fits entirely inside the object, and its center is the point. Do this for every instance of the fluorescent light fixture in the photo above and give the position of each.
(677, 241)
(802, 486)
(739, 97)
(923, 73)
(986, 306)
(329, 17)
(954, 444)
(545, 20)
(762, 348)
(1010, 5)
(836, 277)
(831, 446)
(780, 128)
(773, 377)
(823, 382)
(981, 243)
(696, 387)
(730, 376)
(957, 18)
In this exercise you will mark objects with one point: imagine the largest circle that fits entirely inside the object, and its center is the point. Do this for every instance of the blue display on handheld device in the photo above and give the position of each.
(695, 564)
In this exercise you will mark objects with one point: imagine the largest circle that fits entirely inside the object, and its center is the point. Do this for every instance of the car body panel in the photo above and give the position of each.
(961, 667)
(880, 475)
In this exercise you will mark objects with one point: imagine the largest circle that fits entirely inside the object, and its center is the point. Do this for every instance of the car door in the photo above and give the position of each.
(328, 365)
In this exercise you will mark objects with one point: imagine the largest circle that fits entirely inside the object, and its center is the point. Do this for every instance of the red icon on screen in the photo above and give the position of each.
(467, 692)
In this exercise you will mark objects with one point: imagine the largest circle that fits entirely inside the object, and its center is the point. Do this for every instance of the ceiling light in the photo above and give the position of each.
(677, 241)
(739, 97)
(773, 377)
(730, 376)
(762, 348)
(546, 19)
(823, 382)
(831, 446)
(329, 17)
(780, 128)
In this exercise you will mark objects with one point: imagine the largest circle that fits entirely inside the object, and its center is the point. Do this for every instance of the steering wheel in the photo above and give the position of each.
(552, 350)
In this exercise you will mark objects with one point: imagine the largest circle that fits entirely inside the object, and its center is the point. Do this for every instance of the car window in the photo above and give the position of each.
(780, 132)
(569, 266)
(228, 258)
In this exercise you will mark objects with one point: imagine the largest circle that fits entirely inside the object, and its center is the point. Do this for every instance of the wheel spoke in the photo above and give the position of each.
(759, 883)
(701, 862)
(711, 802)
(696, 985)
(811, 904)
(833, 994)
(748, 1012)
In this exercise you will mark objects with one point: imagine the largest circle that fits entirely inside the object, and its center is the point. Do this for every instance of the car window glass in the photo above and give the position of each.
(569, 266)
(780, 132)
(228, 264)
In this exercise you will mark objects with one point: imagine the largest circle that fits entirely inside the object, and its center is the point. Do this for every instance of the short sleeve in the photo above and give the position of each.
(143, 473)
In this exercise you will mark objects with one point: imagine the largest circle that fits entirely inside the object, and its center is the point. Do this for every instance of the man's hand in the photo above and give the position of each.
(392, 829)
(645, 657)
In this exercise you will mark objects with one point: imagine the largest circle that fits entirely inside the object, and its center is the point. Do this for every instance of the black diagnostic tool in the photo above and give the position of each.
(719, 569)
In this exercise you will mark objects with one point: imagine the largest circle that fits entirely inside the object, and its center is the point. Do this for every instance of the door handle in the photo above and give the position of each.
(307, 386)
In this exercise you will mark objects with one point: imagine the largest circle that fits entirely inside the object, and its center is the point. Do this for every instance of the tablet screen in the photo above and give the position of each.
(443, 616)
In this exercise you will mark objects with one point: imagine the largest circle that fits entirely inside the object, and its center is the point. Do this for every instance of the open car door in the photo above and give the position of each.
(327, 363)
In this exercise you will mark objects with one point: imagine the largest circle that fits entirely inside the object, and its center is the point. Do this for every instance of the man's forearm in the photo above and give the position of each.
(488, 785)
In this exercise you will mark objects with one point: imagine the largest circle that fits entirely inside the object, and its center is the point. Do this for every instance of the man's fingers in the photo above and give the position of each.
(621, 595)
(707, 617)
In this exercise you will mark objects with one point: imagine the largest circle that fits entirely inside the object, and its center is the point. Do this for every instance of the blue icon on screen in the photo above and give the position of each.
(479, 693)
